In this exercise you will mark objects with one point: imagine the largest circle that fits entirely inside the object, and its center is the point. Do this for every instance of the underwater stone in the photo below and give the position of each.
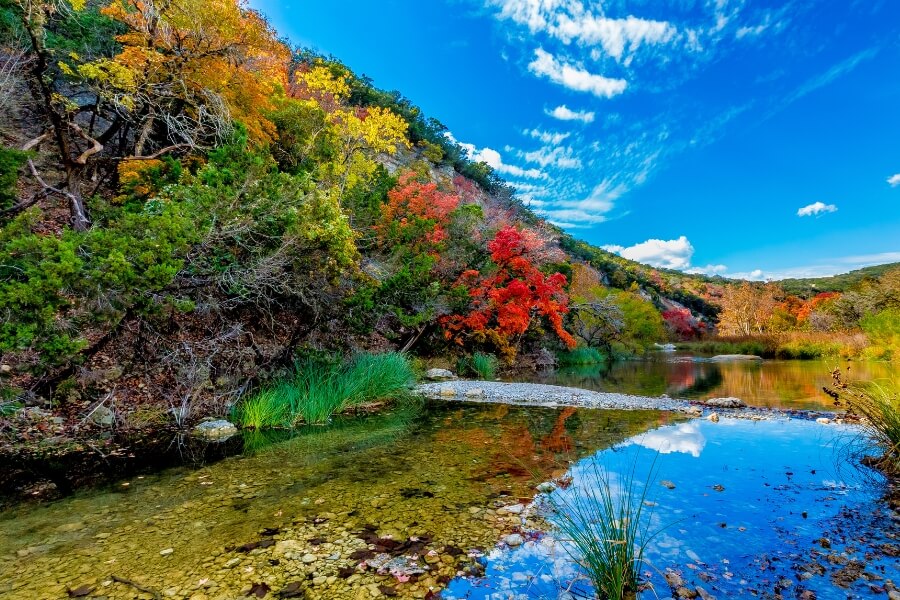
(514, 539)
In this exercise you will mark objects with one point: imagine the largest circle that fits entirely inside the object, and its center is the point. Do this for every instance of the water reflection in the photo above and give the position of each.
(762, 510)
(778, 384)
(686, 438)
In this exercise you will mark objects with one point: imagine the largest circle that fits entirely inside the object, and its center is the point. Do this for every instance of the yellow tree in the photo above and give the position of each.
(746, 308)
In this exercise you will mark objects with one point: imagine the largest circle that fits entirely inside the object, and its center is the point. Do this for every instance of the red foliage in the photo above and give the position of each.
(503, 304)
(416, 213)
(681, 322)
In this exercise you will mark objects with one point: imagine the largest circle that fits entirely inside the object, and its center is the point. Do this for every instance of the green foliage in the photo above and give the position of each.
(10, 162)
(53, 288)
(883, 330)
(319, 389)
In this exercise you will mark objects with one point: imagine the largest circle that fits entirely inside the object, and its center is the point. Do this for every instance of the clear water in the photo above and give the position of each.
(437, 472)
(751, 505)
(789, 384)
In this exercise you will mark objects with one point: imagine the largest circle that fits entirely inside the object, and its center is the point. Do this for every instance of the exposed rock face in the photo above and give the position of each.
(215, 430)
(729, 402)
(439, 375)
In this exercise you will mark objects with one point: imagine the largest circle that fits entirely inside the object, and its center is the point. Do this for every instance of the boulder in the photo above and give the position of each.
(729, 402)
(514, 539)
(439, 375)
(215, 430)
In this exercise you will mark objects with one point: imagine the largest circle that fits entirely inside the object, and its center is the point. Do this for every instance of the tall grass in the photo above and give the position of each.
(878, 407)
(317, 390)
(480, 365)
(607, 527)
(581, 356)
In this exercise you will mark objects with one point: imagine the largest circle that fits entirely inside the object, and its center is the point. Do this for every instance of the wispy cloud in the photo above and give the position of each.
(815, 209)
(558, 157)
(894, 180)
(564, 113)
(832, 74)
(547, 137)
(573, 76)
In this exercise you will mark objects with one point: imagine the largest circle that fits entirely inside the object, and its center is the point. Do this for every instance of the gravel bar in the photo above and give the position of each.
(550, 396)
(539, 394)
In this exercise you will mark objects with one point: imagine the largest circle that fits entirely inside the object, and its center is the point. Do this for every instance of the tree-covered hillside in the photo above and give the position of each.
(189, 206)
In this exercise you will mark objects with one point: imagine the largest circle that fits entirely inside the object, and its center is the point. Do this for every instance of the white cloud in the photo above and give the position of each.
(747, 31)
(816, 208)
(564, 113)
(574, 77)
(894, 180)
(666, 254)
(558, 157)
(708, 270)
(547, 137)
(494, 160)
(613, 35)
(686, 438)
(570, 20)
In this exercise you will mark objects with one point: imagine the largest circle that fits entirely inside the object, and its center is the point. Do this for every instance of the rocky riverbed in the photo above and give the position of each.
(385, 506)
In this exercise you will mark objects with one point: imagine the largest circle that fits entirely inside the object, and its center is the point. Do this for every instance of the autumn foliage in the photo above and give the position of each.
(505, 301)
(416, 213)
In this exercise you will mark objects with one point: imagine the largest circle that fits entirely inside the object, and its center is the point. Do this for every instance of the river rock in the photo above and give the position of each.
(103, 416)
(448, 391)
(513, 539)
(215, 430)
(729, 402)
(475, 393)
(546, 487)
(823, 420)
(714, 417)
(734, 357)
(439, 375)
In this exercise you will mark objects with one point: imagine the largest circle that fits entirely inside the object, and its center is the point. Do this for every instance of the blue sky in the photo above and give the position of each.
(739, 137)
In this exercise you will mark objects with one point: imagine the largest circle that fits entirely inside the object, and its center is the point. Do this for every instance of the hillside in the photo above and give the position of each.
(190, 211)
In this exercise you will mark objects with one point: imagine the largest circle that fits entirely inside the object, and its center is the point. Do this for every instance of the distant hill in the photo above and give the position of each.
(811, 286)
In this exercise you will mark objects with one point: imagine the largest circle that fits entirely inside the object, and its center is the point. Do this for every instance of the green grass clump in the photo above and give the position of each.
(480, 365)
(317, 390)
(608, 529)
(878, 406)
(581, 356)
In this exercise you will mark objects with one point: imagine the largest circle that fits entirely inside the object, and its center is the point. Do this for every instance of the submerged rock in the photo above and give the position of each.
(714, 417)
(215, 430)
(513, 539)
(439, 374)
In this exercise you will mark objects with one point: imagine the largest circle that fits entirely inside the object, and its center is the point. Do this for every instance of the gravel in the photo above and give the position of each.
(550, 396)
(539, 394)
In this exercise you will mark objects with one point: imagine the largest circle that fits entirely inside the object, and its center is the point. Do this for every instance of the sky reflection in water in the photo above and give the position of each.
(786, 485)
